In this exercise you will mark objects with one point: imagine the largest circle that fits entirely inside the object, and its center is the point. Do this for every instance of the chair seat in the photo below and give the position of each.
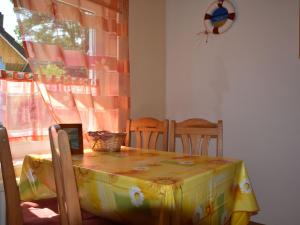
(40, 212)
(45, 211)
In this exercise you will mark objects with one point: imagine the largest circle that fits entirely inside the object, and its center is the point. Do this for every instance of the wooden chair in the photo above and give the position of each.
(66, 187)
(195, 136)
(146, 132)
(17, 213)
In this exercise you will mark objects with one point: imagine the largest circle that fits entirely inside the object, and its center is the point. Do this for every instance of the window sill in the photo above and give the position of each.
(20, 149)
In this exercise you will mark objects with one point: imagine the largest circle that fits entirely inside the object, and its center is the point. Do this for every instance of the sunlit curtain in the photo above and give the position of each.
(22, 109)
(78, 51)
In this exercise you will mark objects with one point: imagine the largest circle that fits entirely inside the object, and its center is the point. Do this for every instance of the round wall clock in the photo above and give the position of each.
(219, 17)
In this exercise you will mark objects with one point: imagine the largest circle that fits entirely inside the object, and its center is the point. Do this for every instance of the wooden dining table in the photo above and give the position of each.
(138, 186)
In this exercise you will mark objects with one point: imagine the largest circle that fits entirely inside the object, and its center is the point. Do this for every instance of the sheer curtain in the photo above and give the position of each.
(22, 109)
(78, 52)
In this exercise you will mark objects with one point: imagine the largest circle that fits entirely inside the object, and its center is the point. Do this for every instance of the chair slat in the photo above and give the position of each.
(146, 138)
(205, 145)
(153, 140)
(172, 136)
(220, 139)
(165, 135)
(195, 143)
(186, 144)
(138, 139)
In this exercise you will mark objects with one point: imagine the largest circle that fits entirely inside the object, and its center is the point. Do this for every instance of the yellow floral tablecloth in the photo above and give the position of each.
(151, 187)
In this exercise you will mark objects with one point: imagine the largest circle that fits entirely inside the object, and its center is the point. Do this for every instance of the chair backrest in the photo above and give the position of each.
(195, 136)
(147, 131)
(14, 214)
(66, 189)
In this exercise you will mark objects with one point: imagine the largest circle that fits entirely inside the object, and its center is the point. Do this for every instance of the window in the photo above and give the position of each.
(79, 60)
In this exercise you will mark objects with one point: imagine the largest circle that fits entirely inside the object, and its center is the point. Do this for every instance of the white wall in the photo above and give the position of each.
(250, 78)
(147, 58)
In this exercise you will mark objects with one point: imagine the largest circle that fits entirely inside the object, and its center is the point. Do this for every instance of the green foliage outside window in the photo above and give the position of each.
(51, 69)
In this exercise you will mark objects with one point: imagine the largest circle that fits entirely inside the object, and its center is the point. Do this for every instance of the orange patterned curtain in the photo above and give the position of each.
(78, 52)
